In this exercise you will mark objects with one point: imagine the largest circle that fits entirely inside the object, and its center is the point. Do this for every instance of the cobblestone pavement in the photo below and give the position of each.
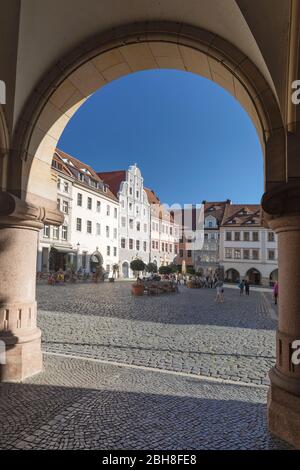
(186, 332)
(99, 389)
(80, 404)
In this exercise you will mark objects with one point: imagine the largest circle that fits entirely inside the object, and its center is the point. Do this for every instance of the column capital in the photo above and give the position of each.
(281, 207)
(18, 213)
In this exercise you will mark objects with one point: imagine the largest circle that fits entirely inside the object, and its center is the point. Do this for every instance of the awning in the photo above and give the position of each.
(64, 249)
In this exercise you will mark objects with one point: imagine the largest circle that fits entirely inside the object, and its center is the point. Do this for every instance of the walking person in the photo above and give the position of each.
(241, 287)
(220, 292)
(275, 292)
(247, 287)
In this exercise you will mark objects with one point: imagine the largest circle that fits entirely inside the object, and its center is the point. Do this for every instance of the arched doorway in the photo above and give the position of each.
(125, 269)
(96, 262)
(273, 277)
(232, 275)
(253, 276)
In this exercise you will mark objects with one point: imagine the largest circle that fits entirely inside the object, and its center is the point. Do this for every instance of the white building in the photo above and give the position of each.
(207, 260)
(134, 216)
(164, 233)
(247, 249)
(89, 235)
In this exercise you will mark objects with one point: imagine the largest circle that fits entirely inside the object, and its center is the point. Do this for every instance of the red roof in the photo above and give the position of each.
(242, 214)
(113, 179)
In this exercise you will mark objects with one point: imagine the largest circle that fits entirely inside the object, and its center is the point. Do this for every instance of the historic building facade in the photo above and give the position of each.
(164, 232)
(247, 249)
(88, 238)
(134, 216)
(207, 259)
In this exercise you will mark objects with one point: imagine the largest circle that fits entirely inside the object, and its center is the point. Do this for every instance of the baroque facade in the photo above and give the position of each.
(88, 237)
(134, 216)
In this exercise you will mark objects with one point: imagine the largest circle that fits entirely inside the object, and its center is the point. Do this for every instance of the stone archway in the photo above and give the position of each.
(232, 275)
(30, 200)
(130, 49)
(253, 276)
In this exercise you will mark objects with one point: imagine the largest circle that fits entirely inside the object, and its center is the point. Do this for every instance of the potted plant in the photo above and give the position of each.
(151, 268)
(115, 269)
(137, 265)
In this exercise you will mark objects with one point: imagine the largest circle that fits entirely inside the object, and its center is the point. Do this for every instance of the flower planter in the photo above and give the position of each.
(137, 289)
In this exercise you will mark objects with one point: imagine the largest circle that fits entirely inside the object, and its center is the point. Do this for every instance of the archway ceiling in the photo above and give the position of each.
(49, 29)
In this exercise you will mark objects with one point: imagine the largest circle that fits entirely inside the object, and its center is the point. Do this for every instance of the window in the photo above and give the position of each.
(98, 229)
(255, 254)
(175, 249)
(98, 206)
(115, 213)
(255, 236)
(138, 226)
(58, 204)
(130, 190)
(171, 249)
(156, 245)
(137, 194)
(271, 236)
(162, 246)
(228, 236)
(81, 176)
(46, 231)
(206, 236)
(58, 183)
(246, 236)
(130, 244)
(84, 256)
(115, 233)
(189, 253)
(130, 206)
(271, 255)
(210, 224)
(108, 250)
(89, 203)
(115, 251)
(79, 199)
(145, 246)
(137, 244)
(171, 230)
(56, 233)
(181, 253)
(228, 253)
(237, 254)
(66, 187)
(131, 223)
(107, 231)
(89, 226)
(123, 221)
(108, 268)
(65, 207)
(107, 210)
(64, 232)
(153, 244)
(123, 242)
(246, 254)
(237, 236)
(78, 225)
(145, 228)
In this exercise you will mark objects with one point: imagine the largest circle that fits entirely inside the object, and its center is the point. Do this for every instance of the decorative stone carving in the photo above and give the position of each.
(14, 211)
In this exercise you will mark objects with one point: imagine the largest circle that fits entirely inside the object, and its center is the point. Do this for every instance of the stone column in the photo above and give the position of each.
(282, 213)
(20, 224)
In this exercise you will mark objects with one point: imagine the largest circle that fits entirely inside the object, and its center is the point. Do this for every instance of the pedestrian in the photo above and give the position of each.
(247, 287)
(220, 291)
(275, 292)
(241, 287)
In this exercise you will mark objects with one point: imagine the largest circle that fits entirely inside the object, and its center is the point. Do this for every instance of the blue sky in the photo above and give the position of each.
(191, 139)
